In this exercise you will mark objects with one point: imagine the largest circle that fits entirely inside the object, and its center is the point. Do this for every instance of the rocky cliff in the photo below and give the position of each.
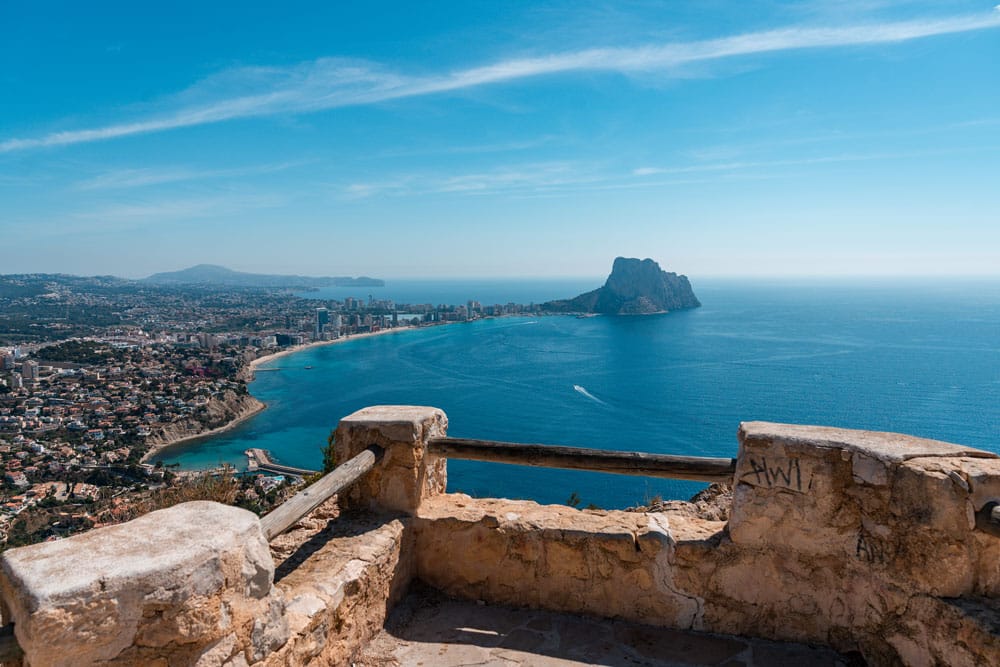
(635, 287)
(220, 414)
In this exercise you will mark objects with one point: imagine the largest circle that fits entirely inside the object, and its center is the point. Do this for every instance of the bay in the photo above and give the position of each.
(918, 357)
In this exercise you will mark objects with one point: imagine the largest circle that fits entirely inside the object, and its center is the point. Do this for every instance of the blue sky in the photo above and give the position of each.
(433, 139)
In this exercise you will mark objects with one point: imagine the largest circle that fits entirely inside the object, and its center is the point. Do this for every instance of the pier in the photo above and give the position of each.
(260, 459)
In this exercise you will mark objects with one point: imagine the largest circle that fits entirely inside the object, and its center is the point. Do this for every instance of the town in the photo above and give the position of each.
(97, 374)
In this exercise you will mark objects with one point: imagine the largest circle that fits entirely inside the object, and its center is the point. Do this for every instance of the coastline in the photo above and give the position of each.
(249, 374)
(252, 366)
(159, 447)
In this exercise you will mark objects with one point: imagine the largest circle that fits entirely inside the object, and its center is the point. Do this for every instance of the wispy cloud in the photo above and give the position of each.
(135, 178)
(472, 149)
(143, 213)
(738, 165)
(523, 177)
(807, 161)
(564, 178)
(330, 83)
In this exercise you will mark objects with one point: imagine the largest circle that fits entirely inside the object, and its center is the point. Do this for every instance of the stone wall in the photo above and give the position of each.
(195, 585)
(613, 564)
(862, 541)
(870, 542)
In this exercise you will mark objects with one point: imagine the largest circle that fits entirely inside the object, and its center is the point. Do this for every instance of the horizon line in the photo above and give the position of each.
(560, 277)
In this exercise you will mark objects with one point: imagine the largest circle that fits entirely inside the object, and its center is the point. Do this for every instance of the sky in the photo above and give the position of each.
(501, 139)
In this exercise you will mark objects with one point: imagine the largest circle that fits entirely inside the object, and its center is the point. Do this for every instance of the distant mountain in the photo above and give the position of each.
(210, 274)
(635, 287)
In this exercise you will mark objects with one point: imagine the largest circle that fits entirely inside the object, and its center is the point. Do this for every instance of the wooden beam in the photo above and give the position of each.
(285, 515)
(695, 468)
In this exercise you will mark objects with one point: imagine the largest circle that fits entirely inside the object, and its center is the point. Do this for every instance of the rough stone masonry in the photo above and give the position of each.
(877, 543)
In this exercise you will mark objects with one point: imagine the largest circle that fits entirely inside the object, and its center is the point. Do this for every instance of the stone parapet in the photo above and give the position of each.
(870, 542)
(897, 505)
(612, 564)
(864, 541)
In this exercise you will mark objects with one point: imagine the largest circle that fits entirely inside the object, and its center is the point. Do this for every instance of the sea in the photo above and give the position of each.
(913, 356)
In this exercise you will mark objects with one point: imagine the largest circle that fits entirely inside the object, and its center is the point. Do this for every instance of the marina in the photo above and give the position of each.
(260, 460)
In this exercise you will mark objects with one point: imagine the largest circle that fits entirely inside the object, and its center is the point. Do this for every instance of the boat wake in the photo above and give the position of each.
(582, 390)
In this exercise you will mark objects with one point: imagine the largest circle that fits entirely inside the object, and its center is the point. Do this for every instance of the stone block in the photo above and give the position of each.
(846, 528)
(407, 473)
(820, 490)
(173, 581)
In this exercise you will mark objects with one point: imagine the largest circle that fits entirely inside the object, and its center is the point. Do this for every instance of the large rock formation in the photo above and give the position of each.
(635, 287)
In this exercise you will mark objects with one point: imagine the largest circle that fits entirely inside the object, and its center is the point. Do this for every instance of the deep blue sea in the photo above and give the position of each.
(917, 357)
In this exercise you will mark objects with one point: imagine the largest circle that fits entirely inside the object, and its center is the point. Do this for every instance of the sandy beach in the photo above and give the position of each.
(320, 343)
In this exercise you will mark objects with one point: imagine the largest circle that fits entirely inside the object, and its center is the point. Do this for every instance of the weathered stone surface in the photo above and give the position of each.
(431, 631)
(407, 473)
(219, 653)
(844, 530)
(175, 580)
(898, 504)
(712, 503)
(614, 564)
(862, 541)
(882, 446)
(338, 595)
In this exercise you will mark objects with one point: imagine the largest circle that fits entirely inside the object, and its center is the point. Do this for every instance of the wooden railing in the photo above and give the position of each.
(285, 515)
(694, 468)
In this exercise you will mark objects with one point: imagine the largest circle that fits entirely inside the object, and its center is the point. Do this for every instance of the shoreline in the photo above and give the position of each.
(252, 366)
(156, 449)
(249, 374)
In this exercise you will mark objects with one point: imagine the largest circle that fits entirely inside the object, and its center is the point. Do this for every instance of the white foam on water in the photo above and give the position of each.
(583, 390)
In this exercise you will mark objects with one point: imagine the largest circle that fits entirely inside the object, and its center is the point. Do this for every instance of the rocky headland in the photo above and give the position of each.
(219, 415)
(635, 287)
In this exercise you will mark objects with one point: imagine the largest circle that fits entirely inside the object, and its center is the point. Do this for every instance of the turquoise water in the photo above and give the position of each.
(909, 357)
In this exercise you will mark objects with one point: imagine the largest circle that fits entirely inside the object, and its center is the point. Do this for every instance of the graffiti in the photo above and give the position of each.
(787, 474)
(871, 549)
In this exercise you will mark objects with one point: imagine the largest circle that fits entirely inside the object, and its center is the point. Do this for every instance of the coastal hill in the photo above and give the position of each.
(210, 274)
(635, 287)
